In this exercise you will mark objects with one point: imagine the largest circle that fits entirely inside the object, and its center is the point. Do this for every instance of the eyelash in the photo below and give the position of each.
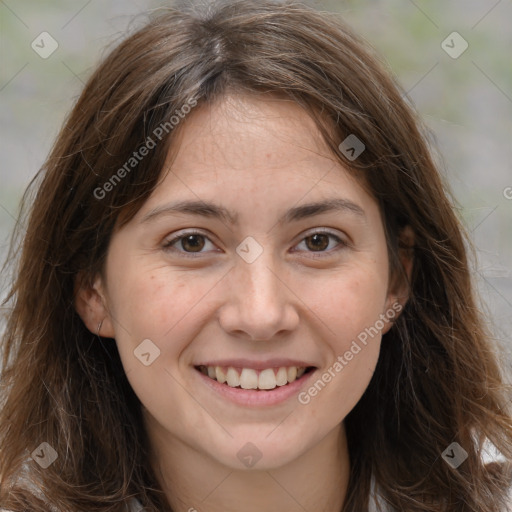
(320, 254)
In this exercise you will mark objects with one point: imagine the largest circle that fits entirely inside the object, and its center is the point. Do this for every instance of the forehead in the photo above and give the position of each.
(255, 151)
(258, 134)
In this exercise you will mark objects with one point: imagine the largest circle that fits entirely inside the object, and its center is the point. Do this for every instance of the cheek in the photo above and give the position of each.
(162, 305)
(348, 302)
(353, 337)
(350, 306)
(150, 301)
(363, 302)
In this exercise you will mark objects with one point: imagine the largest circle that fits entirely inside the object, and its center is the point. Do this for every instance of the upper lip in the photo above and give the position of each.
(256, 365)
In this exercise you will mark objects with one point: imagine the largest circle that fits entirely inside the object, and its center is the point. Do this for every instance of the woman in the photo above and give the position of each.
(180, 340)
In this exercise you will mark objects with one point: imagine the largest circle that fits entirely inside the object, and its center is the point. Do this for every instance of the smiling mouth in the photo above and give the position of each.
(248, 378)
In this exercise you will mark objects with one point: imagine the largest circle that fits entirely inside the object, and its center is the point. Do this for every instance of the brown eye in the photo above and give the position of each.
(318, 242)
(188, 244)
(192, 243)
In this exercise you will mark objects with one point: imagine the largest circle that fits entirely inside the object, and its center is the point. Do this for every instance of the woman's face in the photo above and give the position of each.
(249, 293)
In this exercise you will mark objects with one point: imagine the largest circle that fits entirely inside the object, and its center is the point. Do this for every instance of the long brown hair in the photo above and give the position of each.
(437, 380)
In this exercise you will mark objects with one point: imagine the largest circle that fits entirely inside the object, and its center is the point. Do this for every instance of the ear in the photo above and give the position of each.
(398, 291)
(91, 306)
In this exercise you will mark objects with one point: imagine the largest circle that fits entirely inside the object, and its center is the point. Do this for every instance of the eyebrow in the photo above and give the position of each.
(215, 211)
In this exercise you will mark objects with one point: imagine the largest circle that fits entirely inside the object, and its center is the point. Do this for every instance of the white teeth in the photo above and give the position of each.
(220, 375)
(267, 379)
(248, 379)
(282, 376)
(292, 373)
(252, 379)
(232, 378)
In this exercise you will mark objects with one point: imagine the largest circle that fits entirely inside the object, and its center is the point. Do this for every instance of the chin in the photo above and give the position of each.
(260, 451)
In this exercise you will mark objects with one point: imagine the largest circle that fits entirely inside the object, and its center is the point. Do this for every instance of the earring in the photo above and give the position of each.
(99, 327)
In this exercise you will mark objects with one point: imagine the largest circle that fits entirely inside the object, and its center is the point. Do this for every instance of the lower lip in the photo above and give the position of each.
(252, 397)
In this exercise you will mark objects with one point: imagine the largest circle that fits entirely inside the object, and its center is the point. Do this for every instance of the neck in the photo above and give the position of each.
(315, 481)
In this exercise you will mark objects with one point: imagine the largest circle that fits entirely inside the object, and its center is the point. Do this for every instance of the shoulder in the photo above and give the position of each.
(377, 503)
(134, 506)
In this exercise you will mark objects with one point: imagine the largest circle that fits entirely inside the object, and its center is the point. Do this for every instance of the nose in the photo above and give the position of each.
(260, 305)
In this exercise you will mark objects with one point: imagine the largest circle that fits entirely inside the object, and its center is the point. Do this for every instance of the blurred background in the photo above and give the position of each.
(48, 49)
